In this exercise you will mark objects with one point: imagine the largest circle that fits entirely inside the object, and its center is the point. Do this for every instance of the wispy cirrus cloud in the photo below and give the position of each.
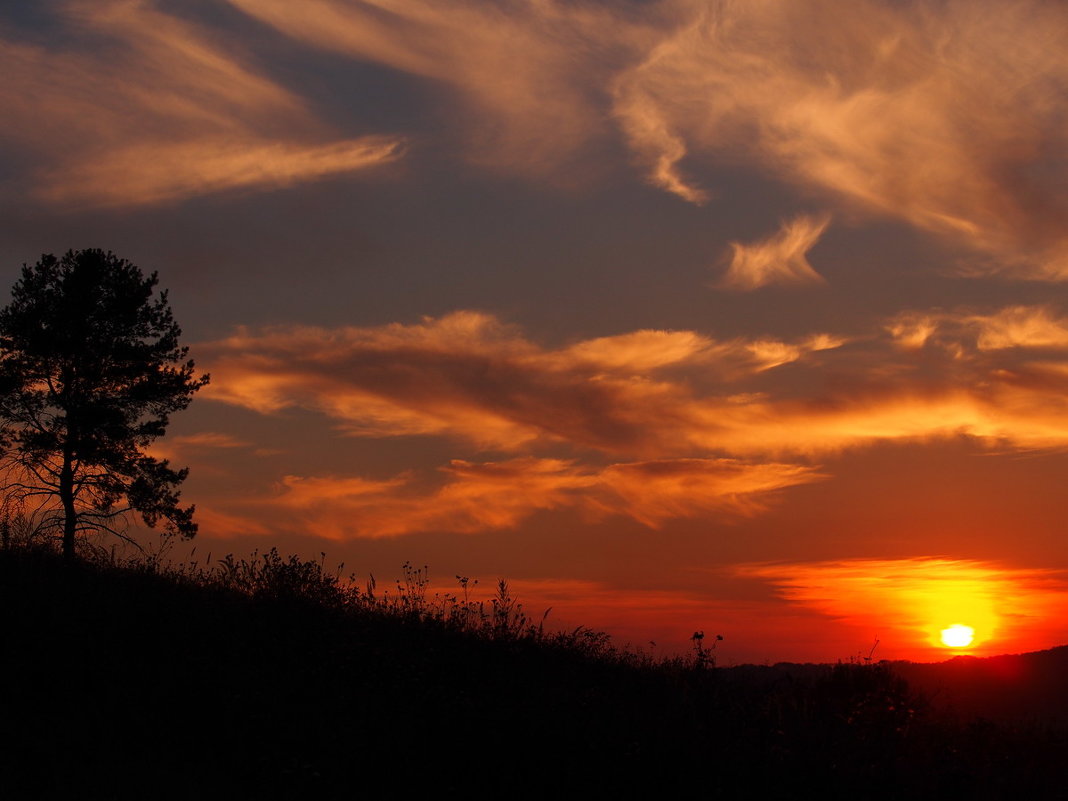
(779, 259)
(154, 173)
(530, 75)
(469, 497)
(931, 113)
(207, 440)
(467, 375)
(185, 446)
(226, 524)
(1020, 326)
(1009, 327)
(141, 107)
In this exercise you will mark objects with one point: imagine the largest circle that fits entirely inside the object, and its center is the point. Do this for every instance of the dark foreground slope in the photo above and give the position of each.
(1011, 688)
(121, 683)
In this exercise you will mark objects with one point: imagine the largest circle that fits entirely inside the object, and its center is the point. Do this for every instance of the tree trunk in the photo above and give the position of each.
(66, 496)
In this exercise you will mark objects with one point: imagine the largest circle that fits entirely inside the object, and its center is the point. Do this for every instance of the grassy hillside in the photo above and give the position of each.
(267, 678)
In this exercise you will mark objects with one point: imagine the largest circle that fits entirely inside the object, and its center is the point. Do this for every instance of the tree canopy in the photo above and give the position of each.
(90, 372)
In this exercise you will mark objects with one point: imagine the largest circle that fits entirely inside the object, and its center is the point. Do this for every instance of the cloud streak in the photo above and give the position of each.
(931, 113)
(531, 76)
(661, 395)
(471, 497)
(779, 259)
(148, 108)
(467, 375)
(1033, 327)
(154, 173)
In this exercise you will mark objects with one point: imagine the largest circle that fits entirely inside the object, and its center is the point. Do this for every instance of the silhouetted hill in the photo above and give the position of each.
(124, 683)
(1012, 688)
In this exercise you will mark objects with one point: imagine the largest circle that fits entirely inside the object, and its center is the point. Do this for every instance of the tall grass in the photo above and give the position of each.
(269, 576)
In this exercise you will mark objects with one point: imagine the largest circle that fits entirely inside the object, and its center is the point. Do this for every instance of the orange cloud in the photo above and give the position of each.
(497, 495)
(655, 140)
(530, 74)
(225, 525)
(911, 330)
(640, 351)
(934, 115)
(1009, 327)
(153, 108)
(207, 439)
(152, 173)
(1020, 326)
(779, 259)
(182, 449)
(469, 377)
(908, 602)
(1007, 411)
(653, 492)
(474, 497)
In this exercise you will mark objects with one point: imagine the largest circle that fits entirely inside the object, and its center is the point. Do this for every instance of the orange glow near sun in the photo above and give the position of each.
(915, 606)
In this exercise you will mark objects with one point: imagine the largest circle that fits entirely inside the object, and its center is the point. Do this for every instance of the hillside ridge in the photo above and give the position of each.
(127, 682)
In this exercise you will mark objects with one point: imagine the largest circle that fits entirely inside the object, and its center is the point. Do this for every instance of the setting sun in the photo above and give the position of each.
(958, 636)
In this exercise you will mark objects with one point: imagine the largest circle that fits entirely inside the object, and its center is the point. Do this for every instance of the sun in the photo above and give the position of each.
(958, 636)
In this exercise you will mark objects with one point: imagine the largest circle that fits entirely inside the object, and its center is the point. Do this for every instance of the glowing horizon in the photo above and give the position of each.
(922, 606)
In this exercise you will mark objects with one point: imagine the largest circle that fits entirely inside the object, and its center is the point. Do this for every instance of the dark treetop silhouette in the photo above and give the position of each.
(90, 370)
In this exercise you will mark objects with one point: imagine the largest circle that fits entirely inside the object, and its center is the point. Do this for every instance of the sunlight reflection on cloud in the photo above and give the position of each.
(153, 109)
(471, 497)
(657, 394)
(779, 259)
(933, 113)
(930, 113)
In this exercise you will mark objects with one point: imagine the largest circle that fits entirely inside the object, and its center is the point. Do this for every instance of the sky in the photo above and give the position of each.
(681, 315)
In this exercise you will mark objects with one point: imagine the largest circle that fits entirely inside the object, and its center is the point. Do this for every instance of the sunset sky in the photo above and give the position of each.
(745, 316)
